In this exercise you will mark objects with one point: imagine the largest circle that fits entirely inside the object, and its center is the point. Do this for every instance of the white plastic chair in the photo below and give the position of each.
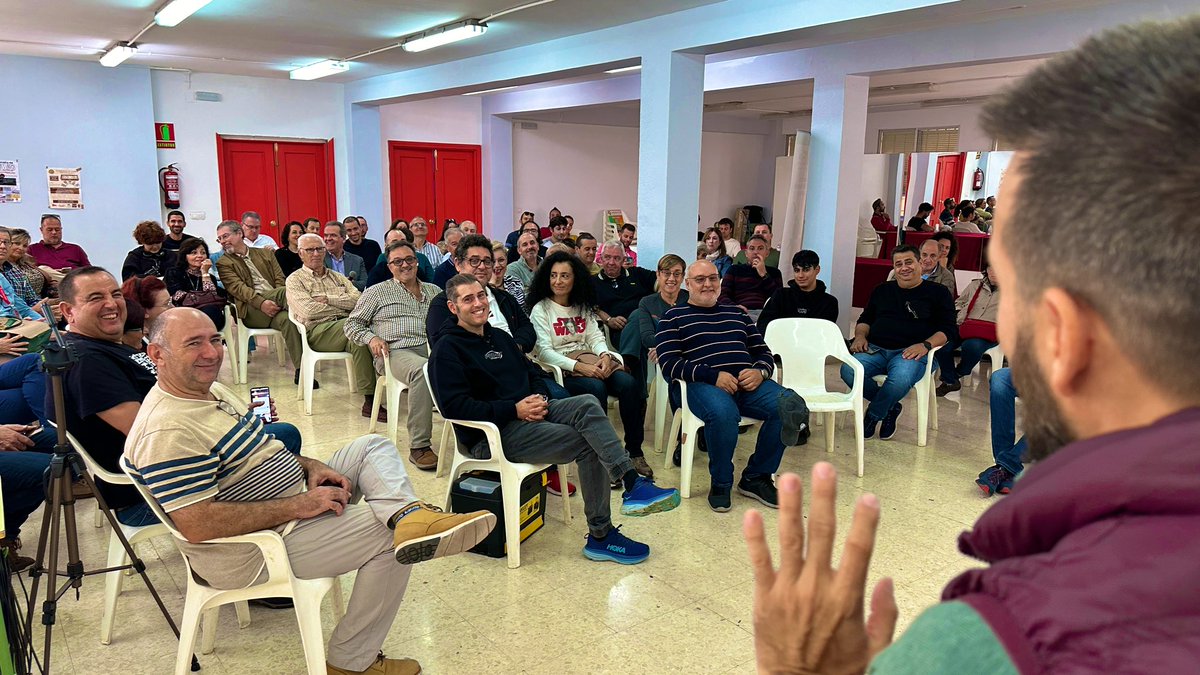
(388, 385)
(308, 366)
(229, 335)
(203, 601)
(659, 403)
(244, 335)
(995, 356)
(116, 552)
(926, 392)
(511, 475)
(803, 345)
(690, 425)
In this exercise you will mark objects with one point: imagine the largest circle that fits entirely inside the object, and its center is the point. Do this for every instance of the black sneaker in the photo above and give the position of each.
(718, 499)
(869, 427)
(677, 458)
(887, 428)
(945, 388)
(296, 380)
(761, 489)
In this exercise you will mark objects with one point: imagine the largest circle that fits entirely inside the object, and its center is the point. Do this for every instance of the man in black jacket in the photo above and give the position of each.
(479, 373)
(619, 289)
(803, 298)
(474, 257)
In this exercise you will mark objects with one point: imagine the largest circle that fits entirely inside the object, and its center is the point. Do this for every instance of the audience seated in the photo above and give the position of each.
(903, 320)
(253, 279)
(390, 319)
(804, 297)
(715, 348)
(134, 336)
(500, 276)
(510, 241)
(1007, 451)
(981, 212)
(528, 257)
(381, 272)
(55, 253)
(175, 236)
(749, 284)
(964, 221)
(558, 232)
(947, 215)
(481, 374)
(149, 293)
(920, 222)
(978, 307)
(447, 267)
(772, 255)
(420, 233)
(947, 252)
(148, 259)
(932, 268)
(288, 255)
(716, 250)
(450, 238)
(732, 246)
(357, 243)
(562, 305)
(14, 289)
(618, 288)
(625, 236)
(39, 283)
(880, 219)
(639, 338)
(251, 229)
(312, 226)
(217, 472)
(338, 259)
(587, 250)
(190, 282)
(321, 299)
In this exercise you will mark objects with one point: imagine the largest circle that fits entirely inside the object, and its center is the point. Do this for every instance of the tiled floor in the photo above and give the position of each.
(688, 608)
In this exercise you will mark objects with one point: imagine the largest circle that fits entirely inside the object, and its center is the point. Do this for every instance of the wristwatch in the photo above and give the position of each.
(928, 347)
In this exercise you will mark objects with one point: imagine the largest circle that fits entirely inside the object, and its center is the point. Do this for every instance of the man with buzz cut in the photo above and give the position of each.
(479, 373)
(216, 473)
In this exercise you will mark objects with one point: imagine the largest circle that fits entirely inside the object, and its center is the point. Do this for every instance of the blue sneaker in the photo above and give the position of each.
(615, 547)
(887, 428)
(994, 480)
(645, 498)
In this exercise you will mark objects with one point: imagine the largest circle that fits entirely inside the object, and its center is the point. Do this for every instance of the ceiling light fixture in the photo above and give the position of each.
(117, 55)
(178, 10)
(627, 69)
(489, 91)
(911, 88)
(444, 35)
(319, 69)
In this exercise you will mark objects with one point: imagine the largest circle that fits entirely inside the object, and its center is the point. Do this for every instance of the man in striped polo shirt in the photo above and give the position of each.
(214, 470)
(716, 349)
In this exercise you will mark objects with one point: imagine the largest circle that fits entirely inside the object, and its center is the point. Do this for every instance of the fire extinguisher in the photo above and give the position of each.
(977, 184)
(168, 180)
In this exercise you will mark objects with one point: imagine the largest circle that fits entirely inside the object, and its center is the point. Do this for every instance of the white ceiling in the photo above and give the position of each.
(270, 37)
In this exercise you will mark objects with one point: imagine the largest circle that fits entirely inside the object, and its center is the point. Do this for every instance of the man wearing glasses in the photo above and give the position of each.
(321, 299)
(474, 256)
(389, 320)
(619, 289)
(804, 297)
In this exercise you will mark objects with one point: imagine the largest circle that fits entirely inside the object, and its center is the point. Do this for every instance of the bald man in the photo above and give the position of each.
(217, 474)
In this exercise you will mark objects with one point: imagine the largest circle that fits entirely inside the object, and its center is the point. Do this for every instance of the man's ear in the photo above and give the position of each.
(453, 308)
(155, 352)
(1067, 339)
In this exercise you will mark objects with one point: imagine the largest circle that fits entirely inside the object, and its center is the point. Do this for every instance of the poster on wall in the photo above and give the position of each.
(64, 188)
(10, 182)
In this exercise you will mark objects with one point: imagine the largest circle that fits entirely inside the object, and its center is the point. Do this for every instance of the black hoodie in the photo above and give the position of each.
(139, 263)
(481, 378)
(792, 303)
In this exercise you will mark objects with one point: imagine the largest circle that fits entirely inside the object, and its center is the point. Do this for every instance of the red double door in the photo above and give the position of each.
(948, 180)
(436, 182)
(281, 180)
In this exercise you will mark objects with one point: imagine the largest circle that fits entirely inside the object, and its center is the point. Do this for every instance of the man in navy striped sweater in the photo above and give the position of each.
(716, 349)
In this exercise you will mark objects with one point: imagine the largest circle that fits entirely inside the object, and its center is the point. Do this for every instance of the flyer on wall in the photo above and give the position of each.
(10, 182)
(64, 188)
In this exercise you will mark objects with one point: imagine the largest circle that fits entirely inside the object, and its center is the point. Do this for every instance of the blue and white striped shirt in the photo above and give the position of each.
(695, 344)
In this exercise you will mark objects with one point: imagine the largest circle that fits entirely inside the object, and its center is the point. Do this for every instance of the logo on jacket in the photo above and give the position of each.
(493, 355)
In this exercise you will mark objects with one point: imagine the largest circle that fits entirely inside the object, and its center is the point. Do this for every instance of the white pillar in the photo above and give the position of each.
(366, 169)
(498, 216)
(672, 110)
(839, 125)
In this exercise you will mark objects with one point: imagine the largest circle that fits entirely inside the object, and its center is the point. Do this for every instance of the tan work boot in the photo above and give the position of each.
(425, 532)
(382, 666)
(424, 459)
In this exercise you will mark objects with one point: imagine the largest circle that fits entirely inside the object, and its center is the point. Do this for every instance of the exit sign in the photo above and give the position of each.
(164, 134)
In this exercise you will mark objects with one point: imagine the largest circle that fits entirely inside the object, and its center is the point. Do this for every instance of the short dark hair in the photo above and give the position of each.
(557, 221)
(806, 258)
(471, 241)
(403, 243)
(350, 219)
(312, 219)
(758, 237)
(176, 213)
(335, 223)
(905, 248)
(925, 207)
(724, 221)
(628, 226)
(948, 202)
(582, 292)
(185, 249)
(66, 287)
(49, 216)
(964, 212)
(458, 281)
(1079, 130)
(584, 236)
(135, 315)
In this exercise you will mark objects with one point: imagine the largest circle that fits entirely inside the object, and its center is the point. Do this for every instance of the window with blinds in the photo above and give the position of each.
(932, 139)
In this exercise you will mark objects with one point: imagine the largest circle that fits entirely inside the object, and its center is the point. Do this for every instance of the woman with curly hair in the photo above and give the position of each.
(148, 259)
(191, 285)
(562, 306)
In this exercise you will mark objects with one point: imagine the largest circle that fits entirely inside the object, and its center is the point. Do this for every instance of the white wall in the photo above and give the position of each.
(453, 119)
(874, 186)
(971, 135)
(584, 169)
(249, 106)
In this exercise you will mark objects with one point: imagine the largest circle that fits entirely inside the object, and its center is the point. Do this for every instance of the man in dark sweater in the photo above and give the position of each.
(748, 285)
(715, 348)
(358, 244)
(805, 296)
(479, 373)
(904, 320)
(920, 222)
(619, 289)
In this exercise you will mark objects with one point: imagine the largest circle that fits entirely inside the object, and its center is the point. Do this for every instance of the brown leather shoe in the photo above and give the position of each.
(80, 490)
(382, 666)
(425, 532)
(16, 562)
(424, 459)
(366, 411)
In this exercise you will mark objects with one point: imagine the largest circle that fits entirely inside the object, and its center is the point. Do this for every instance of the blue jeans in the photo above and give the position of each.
(901, 373)
(23, 391)
(629, 401)
(22, 482)
(557, 391)
(1005, 451)
(972, 349)
(140, 515)
(721, 412)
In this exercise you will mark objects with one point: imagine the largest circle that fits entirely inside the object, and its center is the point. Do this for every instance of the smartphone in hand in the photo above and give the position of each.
(260, 404)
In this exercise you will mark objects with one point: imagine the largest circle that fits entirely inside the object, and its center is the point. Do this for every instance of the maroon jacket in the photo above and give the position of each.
(1095, 557)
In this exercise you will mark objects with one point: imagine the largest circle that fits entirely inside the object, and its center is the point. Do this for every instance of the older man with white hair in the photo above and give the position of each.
(619, 289)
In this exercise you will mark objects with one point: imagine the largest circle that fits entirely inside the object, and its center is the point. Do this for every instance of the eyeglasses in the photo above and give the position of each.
(678, 274)
(403, 262)
(474, 261)
(710, 279)
(312, 249)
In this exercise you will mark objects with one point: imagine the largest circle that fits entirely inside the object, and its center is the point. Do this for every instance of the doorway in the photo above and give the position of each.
(948, 181)
(436, 181)
(282, 180)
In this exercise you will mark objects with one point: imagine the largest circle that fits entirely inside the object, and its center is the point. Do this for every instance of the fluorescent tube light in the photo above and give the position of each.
(319, 69)
(627, 69)
(178, 10)
(117, 55)
(489, 91)
(443, 35)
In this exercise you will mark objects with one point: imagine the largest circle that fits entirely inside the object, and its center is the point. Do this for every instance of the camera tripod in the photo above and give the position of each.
(57, 359)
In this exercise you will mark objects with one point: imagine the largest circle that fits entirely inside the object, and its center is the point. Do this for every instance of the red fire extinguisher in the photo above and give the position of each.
(168, 180)
(977, 184)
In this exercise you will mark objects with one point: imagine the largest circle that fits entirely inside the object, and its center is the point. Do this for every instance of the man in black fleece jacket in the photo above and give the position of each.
(803, 298)
(479, 373)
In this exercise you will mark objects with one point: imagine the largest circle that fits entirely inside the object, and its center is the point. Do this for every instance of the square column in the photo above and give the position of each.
(498, 216)
(839, 125)
(672, 110)
(365, 170)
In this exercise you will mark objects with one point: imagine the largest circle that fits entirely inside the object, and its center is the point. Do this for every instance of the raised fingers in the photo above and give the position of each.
(760, 555)
(822, 520)
(856, 556)
(791, 526)
(881, 625)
